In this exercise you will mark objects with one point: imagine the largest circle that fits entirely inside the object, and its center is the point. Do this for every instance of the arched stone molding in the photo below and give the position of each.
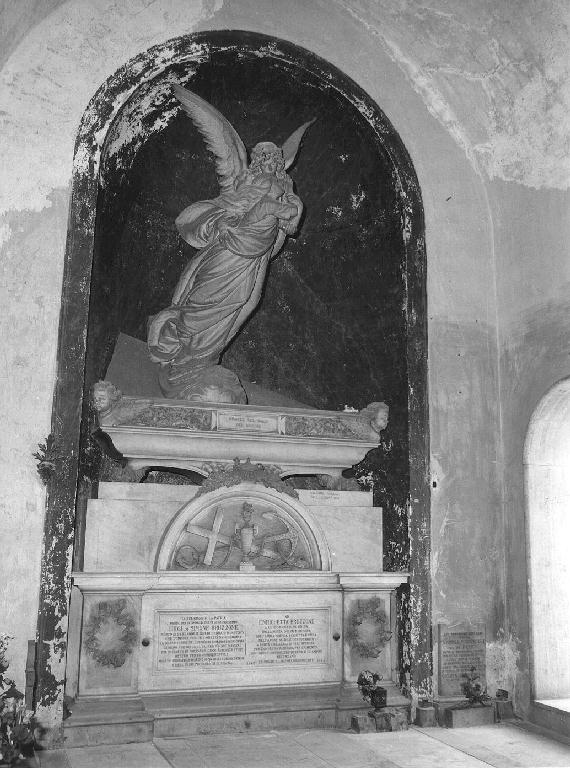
(142, 72)
(286, 507)
(547, 491)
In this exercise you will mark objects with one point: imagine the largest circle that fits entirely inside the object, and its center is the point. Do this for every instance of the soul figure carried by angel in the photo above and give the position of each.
(237, 234)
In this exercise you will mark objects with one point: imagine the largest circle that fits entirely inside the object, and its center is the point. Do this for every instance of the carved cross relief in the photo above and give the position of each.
(235, 536)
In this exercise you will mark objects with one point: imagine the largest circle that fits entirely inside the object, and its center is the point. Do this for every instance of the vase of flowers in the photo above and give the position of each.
(474, 691)
(371, 690)
(16, 722)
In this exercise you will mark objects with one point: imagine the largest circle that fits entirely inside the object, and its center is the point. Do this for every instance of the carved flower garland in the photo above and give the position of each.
(366, 632)
(110, 633)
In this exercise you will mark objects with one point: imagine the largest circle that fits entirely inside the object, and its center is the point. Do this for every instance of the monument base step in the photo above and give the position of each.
(120, 720)
(107, 720)
(243, 710)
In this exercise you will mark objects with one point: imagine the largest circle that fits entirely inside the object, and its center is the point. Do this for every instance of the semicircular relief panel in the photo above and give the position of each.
(242, 530)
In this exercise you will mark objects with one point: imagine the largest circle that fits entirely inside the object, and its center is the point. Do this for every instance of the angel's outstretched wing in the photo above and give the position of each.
(221, 138)
(291, 146)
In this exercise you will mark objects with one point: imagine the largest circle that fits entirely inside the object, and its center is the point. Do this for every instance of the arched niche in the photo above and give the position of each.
(547, 490)
(216, 515)
(130, 101)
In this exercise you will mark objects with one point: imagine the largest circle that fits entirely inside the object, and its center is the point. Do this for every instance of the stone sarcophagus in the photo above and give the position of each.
(241, 603)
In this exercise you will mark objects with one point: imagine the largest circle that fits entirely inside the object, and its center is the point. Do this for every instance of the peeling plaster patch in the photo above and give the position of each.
(357, 199)
(540, 155)
(335, 210)
(134, 126)
(423, 84)
(502, 659)
(54, 72)
(5, 233)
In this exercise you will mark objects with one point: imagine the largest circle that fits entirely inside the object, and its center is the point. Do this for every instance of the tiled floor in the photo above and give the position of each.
(502, 746)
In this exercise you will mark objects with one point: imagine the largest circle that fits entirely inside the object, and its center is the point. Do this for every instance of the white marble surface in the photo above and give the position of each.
(336, 498)
(355, 662)
(263, 500)
(246, 609)
(187, 449)
(354, 536)
(126, 523)
(122, 535)
(213, 581)
(96, 678)
(147, 491)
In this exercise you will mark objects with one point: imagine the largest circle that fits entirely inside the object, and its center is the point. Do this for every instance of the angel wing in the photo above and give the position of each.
(291, 146)
(221, 138)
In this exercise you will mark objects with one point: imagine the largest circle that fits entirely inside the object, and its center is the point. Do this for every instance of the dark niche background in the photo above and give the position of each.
(330, 329)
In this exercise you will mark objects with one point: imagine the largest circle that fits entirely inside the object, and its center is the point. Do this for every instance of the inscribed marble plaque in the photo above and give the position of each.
(461, 647)
(214, 639)
(336, 498)
(243, 422)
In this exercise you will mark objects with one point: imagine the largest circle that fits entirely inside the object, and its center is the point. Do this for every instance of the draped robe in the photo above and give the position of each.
(220, 286)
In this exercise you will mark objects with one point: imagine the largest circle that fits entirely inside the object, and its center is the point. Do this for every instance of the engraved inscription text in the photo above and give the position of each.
(211, 639)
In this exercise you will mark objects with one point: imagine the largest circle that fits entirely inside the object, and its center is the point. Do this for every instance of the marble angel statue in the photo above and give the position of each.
(236, 234)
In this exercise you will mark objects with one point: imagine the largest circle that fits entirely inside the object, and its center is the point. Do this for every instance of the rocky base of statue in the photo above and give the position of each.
(213, 384)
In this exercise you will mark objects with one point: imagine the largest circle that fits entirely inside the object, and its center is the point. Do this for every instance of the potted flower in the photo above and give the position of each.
(16, 722)
(473, 690)
(368, 685)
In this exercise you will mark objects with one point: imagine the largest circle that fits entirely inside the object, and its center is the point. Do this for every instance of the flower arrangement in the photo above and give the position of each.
(16, 723)
(368, 685)
(473, 690)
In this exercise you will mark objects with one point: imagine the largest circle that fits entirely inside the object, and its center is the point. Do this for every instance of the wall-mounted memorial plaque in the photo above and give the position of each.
(461, 647)
(243, 637)
(190, 640)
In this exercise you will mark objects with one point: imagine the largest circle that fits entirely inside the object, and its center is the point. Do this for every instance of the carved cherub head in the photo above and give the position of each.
(104, 396)
(267, 157)
(377, 415)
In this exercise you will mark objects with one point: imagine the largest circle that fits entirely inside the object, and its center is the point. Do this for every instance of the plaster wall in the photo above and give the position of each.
(46, 85)
(532, 230)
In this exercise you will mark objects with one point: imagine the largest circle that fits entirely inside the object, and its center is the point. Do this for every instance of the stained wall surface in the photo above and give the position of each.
(478, 98)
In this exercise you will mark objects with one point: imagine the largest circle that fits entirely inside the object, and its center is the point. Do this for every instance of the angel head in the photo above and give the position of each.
(227, 147)
(104, 396)
(267, 157)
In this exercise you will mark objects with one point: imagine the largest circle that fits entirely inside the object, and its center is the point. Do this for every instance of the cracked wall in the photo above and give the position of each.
(495, 74)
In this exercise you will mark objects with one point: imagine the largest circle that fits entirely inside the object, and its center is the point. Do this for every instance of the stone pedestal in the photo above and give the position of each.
(425, 716)
(391, 719)
(470, 716)
(386, 719)
(238, 605)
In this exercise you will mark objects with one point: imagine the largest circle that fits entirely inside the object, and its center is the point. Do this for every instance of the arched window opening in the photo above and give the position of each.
(547, 487)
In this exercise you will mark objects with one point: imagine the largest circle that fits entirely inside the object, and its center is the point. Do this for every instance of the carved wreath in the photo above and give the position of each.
(372, 611)
(110, 633)
(245, 472)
